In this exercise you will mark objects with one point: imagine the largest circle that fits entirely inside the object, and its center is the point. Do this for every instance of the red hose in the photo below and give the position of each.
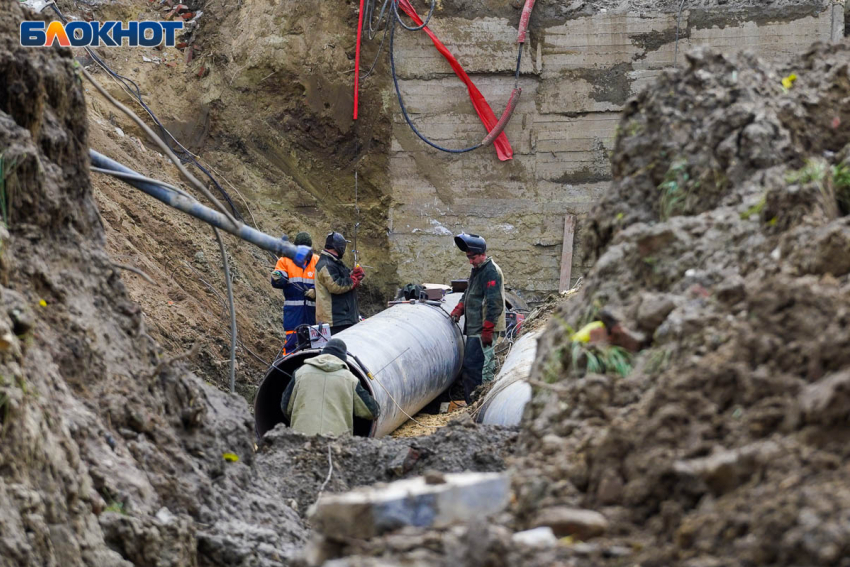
(357, 58)
(485, 113)
(503, 121)
(523, 20)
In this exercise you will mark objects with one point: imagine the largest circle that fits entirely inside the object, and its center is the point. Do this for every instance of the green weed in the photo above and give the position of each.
(754, 210)
(116, 507)
(674, 189)
(841, 183)
(600, 360)
(658, 361)
(833, 183)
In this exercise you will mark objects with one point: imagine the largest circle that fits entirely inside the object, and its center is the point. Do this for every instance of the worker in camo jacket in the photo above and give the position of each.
(299, 294)
(336, 286)
(483, 305)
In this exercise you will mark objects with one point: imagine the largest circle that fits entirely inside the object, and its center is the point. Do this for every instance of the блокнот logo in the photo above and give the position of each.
(99, 34)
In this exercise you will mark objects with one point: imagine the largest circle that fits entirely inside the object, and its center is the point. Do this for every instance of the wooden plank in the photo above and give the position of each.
(567, 253)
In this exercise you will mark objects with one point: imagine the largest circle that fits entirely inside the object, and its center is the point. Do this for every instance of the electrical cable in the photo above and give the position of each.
(233, 337)
(186, 155)
(232, 310)
(414, 28)
(404, 113)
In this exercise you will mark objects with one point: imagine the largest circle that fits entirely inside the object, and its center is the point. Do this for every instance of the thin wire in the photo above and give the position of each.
(414, 28)
(163, 146)
(404, 109)
(377, 56)
(410, 417)
(232, 311)
(163, 130)
(233, 337)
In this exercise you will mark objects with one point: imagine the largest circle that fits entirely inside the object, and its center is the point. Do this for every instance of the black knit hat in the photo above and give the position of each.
(337, 348)
(303, 239)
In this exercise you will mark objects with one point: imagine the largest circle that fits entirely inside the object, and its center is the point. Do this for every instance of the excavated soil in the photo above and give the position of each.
(298, 465)
(723, 240)
(722, 251)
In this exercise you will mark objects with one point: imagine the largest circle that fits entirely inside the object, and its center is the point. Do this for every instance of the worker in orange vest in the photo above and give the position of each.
(299, 293)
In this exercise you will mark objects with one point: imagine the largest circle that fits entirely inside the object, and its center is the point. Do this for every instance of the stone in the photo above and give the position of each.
(578, 522)
(403, 461)
(725, 470)
(370, 511)
(610, 489)
(827, 401)
(537, 537)
(654, 308)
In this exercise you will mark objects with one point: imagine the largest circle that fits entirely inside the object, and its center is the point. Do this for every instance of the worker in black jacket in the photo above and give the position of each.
(483, 305)
(336, 286)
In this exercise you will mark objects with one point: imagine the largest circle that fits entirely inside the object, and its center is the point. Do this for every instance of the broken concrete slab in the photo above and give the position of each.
(370, 511)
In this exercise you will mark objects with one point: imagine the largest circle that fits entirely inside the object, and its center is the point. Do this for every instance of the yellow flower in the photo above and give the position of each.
(42, 302)
(230, 457)
(788, 81)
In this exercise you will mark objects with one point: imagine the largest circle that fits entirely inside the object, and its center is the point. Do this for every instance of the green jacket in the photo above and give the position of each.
(484, 298)
(324, 396)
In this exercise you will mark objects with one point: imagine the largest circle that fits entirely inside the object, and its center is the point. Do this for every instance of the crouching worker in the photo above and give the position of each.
(324, 396)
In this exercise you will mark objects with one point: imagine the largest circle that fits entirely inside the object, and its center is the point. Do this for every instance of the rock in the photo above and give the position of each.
(827, 401)
(653, 309)
(370, 511)
(725, 470)
(565, 521)
(403, 461)
(537, 537)
(731, 290)
(610, 489)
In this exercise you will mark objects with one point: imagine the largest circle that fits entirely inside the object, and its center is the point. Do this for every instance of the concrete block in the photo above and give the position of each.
(769, 39)
(367, 512)
(604, 40)
(482, 45)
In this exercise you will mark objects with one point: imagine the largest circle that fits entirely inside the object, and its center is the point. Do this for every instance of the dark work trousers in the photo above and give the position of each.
(339, 329)
(473, 365)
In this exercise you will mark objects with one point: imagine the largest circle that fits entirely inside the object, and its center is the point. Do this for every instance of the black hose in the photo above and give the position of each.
(415, 28)
(401, 99)
(404, 109)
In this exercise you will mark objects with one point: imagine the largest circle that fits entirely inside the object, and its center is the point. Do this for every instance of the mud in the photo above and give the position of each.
(719, 240)
(298, 465)
(110, 454)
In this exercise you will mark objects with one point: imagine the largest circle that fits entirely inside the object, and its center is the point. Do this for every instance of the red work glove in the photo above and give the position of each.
(457, 312)
(358, 273)
(487, 333)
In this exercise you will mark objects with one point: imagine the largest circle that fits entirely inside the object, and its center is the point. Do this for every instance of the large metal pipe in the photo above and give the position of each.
(414, 352)
(506, 400)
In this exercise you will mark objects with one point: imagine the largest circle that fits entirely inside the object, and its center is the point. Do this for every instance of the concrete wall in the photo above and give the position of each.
(576, 75)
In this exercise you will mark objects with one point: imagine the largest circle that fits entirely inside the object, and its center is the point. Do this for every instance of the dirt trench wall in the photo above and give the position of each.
(579, 67)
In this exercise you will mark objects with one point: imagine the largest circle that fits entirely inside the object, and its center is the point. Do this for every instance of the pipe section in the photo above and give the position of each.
(506, 400)
(209, 216)
(414, 351)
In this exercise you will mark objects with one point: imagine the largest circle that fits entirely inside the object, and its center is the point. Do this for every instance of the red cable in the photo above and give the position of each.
(485, 113)
(357, 59)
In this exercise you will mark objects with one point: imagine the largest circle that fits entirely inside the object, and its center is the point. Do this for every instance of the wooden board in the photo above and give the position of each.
(567, 253)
